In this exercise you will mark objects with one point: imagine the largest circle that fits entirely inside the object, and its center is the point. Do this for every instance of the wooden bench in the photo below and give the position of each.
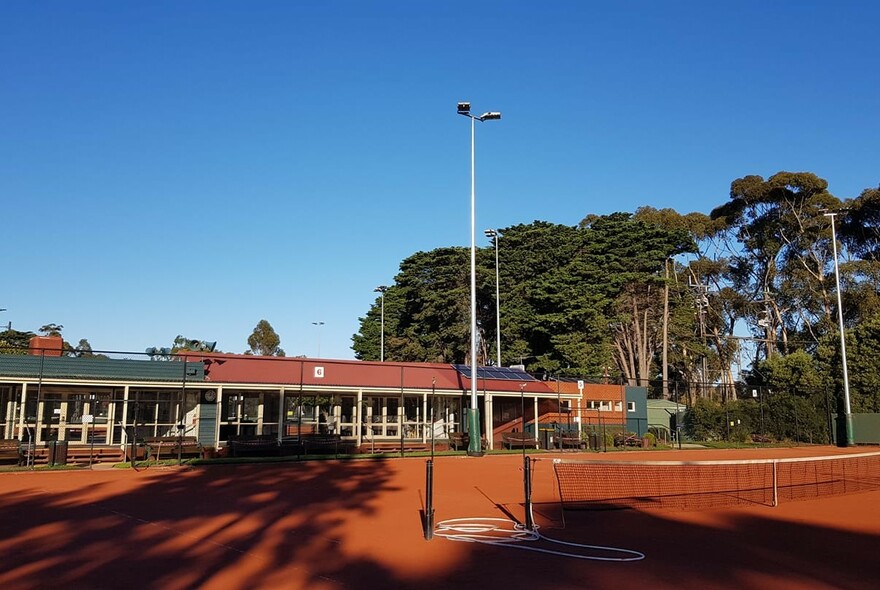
(627, 439)
(140, 452)
(520, 440)
(254, 445)
(388, 447)
(10, 450)
(321, 442)
(172, 446)
(290, 445)
(461, 440)
(570, 442)
(458, 441)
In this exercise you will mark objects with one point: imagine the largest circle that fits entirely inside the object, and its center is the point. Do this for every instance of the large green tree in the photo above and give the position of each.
(860, 225)
(84, 350)
(15, 341)
(784, 258)
(631, 255)
(560, 288)
(427, 312)
(647, 294)
(532, 323)
(51, 329)
(860, 269)
(863, 362)
(264, 341)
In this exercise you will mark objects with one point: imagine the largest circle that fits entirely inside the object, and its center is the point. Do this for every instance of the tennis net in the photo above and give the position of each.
(694, 485)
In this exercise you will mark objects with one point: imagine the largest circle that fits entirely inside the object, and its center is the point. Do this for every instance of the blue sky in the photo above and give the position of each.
(194, 167)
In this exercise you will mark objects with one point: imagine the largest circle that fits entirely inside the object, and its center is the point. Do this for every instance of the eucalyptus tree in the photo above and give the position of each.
(626, 258)
(84, 350)
(863, 342)
(784, 256)
(51, 329)
(700, 309)
(860, 270)
(263, 340)
(860, 225)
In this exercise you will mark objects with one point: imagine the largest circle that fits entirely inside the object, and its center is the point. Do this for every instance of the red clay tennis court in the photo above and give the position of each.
(358, 524)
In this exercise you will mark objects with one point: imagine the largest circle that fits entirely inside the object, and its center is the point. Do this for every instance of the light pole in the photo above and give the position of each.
(522, 409)
(847, 410)
(494, 235)
(475, 447)
(319, 324)
(381, 290)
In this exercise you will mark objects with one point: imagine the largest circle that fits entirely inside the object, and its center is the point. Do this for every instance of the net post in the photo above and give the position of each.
(429, 499)
(527, 486)
(775, 486)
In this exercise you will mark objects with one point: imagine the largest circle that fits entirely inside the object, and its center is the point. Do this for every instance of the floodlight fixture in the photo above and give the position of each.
(464, 108)
(490, 116)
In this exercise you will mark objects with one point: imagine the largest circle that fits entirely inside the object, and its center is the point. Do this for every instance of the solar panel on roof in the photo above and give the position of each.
(500, 373)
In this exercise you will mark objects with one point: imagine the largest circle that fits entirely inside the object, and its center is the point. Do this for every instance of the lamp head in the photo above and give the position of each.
(464, 108)
(380, 289)
(490, 116)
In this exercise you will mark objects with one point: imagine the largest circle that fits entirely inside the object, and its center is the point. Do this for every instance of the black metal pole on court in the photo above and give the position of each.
(829, 419)
(433, 385)
(727, 419)
(429, 499)
(761, 407)
(91, 427)
(32, 448)
(134, 436)
(401, 414)
(180, 415)
(527, 486)
(522, 403)
(604, 439)
(677, 418)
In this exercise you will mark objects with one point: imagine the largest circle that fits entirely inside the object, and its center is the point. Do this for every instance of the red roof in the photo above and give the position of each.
(236, 368)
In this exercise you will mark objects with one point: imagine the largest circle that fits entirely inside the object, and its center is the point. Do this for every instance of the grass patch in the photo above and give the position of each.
(723, 444)
(18, 468)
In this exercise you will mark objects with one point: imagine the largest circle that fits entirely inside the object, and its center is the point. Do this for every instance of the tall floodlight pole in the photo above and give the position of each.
(319, 324)
(381, 290)
(494, 234)
(475, 448)
(847, 410)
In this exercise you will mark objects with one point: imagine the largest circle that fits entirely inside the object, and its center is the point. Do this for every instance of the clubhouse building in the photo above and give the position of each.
(220, 397)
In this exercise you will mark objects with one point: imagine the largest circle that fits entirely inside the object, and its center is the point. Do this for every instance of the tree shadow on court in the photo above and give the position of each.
(741, 548)
(310, 525)
(231, 526)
